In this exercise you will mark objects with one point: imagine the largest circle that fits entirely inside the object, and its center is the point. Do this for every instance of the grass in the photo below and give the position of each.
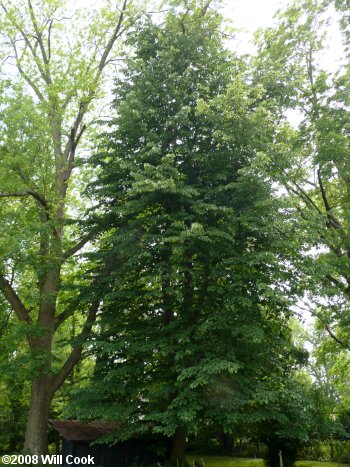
(234, 462)
(226, 461)
(320, 464)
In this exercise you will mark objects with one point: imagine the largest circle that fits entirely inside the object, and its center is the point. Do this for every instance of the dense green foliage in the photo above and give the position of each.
(214, 220)
(194, 329)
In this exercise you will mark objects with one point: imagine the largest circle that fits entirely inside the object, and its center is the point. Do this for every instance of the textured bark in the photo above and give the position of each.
(40, 401)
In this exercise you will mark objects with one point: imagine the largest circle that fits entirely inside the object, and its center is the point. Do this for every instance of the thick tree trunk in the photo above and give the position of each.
(178, 445)
(40, 401)
(226, 441)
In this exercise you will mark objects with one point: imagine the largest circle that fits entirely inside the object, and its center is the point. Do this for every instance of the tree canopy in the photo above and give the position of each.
(195, 323)
(166, 221)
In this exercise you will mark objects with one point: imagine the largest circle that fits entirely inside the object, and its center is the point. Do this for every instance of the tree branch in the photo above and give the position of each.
(72, 143)
(49, 40)
(334, 222)
(26, 77)
(64, 315)
(338, 284)
(113, 38)
(325, 324)
(307, 197)
(38, 33)
(30, 46)
(205, 8)
(323, 193)
(78, 246)
(14, 300)
(32, 193)
(328, 329)
(76, 353)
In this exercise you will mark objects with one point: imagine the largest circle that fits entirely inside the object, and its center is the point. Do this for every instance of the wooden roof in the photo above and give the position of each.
(73, 430)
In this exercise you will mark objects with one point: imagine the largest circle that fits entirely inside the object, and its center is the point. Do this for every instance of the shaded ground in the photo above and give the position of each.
(234, 462)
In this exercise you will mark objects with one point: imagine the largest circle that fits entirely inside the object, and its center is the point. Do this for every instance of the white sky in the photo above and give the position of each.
(251, 15)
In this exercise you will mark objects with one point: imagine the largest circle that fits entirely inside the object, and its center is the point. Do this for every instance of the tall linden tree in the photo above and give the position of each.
(54, 61)
(194, 327)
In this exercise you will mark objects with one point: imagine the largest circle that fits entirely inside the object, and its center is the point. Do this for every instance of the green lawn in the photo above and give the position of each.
(226, 461)
(234, 462)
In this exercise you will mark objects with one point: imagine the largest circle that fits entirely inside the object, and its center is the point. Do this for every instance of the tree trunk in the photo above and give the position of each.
(226, 441)
(332, 449)
(40, 401)
(178, 445)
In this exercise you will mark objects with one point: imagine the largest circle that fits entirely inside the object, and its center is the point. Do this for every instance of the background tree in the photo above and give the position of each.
(55, 63)
(312, 161)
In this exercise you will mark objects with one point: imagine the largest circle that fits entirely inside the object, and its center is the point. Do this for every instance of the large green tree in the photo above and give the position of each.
(194, 326)
(54, 61)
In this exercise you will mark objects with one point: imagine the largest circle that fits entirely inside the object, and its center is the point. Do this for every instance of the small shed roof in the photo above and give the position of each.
(73, 430)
